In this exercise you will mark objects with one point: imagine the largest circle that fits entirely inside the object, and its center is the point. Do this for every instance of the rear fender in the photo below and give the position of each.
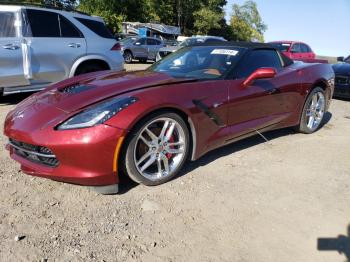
(87, 58)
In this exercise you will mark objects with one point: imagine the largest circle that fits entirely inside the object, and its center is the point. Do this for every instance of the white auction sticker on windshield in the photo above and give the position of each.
(224, 52)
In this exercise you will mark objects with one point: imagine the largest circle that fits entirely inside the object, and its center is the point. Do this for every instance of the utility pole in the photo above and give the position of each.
(179, 13)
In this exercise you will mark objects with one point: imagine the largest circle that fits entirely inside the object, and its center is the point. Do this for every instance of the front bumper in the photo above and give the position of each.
(85, 156)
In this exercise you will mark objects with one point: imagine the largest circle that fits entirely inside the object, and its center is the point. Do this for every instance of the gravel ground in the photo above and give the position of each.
(250, 201)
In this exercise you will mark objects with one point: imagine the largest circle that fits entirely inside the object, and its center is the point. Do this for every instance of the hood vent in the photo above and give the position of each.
(75, 89)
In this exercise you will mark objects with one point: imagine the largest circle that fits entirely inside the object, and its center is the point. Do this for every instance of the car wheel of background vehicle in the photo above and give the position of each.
(157, 149)
(313, 111)
(88, 67)
(127, 57)
(143, 60)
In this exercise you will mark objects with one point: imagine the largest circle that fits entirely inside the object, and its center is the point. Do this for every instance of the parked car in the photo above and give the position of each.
(342, 78)
(142, 49)
(39, 46)
(164, 51)
(294, 50)
(121, 36)
(89, 129)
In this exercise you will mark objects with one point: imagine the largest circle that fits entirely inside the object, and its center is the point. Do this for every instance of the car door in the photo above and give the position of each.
(54, 47)
(153, 46)
(263, 103)
(140, 48)
(11, 54)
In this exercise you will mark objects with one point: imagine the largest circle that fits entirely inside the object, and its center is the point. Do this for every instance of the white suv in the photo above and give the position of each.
(39, 46)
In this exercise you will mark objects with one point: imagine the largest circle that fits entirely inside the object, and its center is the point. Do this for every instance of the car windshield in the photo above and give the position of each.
(347, 60)
(283, 47)
(199, 62)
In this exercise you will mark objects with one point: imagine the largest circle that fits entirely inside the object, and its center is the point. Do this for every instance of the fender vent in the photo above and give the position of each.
(75, 89)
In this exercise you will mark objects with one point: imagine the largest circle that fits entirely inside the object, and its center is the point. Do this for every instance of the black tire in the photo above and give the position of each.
(302, 127)
(143, 60)
(89, 68)
(127, 57)
(128, 160)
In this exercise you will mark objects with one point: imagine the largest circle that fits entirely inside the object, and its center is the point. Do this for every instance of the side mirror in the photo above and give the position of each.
(260, 73)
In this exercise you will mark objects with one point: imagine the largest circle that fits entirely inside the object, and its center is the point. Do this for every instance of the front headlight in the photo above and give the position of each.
(97, 114)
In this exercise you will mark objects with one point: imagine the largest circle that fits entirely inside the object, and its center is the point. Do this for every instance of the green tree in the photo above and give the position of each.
(61, 3)
(246, 23)
(210, 17)
(57, 3)
(206, 20)
(116, 11)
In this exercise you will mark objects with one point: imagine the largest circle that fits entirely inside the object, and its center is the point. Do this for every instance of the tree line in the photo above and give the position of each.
(205, 17)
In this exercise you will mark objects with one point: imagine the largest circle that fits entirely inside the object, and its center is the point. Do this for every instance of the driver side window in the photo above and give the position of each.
(296, 48)
(7, 24)
(257, 59)
(142, 41)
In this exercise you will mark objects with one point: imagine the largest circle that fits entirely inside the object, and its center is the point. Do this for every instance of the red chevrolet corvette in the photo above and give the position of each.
(89, 129)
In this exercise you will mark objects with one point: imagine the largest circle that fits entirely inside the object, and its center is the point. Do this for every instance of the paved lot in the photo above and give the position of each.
(137, 66)
(250, 201)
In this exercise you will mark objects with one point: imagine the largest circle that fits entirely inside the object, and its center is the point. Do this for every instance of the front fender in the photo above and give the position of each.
(129, 117)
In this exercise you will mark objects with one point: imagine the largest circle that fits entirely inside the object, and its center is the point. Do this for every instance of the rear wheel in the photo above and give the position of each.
(127, 57)
(157, 149)
(313, 111)
(90, 67)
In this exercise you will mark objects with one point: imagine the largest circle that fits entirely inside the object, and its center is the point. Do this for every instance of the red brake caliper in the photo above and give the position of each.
(171, 140)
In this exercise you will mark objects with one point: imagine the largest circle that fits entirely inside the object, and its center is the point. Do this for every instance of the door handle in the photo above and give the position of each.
(11, 47)
(74, 45)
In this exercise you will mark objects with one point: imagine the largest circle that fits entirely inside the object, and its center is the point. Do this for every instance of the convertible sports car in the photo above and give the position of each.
(89, 129)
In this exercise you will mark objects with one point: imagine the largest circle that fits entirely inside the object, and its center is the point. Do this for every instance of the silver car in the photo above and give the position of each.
(143, 49)
(39, 46)
(164, 51)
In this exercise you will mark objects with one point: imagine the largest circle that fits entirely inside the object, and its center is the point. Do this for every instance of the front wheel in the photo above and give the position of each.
(313, 111)
(157, 149)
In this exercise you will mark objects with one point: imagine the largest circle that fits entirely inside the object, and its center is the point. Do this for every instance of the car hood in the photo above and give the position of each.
(342, 69)
(89, 90)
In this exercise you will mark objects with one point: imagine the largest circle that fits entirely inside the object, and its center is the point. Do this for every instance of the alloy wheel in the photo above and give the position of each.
(127, 57)
(315, 111)
(160, 149)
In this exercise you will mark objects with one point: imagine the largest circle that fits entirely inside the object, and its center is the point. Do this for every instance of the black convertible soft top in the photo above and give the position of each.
(248, 45)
